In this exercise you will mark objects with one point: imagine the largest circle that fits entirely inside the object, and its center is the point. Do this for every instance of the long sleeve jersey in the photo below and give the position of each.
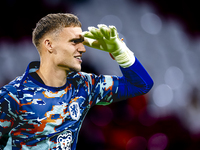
(37, 116)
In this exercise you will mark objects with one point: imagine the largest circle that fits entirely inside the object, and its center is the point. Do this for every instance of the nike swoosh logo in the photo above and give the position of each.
(39, 120)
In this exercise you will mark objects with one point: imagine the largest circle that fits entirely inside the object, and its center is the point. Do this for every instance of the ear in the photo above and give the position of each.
(48, 45)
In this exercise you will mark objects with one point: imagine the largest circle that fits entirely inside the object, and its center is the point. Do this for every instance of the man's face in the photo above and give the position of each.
(68, 49)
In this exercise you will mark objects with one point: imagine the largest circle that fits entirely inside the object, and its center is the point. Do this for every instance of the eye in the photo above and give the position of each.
(76, 41)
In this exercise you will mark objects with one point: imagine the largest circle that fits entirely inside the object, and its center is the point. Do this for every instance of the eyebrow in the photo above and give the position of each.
(79, 40)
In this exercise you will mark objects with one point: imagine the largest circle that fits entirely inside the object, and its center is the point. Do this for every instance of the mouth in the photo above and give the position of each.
(78, 58)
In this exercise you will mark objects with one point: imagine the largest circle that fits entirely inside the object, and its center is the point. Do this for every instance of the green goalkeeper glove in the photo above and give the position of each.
(107, 39)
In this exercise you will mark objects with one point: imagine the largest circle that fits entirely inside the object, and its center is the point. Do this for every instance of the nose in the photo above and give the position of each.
(81, 48)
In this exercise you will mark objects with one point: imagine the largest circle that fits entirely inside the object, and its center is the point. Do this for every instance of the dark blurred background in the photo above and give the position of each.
(165, 37)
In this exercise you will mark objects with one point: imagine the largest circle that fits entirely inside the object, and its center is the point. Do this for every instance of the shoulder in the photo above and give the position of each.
(9, 101)
(10, 90)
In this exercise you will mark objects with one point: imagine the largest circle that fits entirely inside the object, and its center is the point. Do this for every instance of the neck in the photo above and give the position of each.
(52, 76)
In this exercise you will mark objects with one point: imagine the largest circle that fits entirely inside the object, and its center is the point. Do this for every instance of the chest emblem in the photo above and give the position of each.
(74, 110)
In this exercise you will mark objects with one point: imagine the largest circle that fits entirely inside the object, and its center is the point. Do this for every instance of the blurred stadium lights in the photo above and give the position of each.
(151, 23)
(166, 43)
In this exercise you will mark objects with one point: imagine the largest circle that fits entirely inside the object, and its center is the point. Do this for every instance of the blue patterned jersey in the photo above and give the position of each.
(41, 117)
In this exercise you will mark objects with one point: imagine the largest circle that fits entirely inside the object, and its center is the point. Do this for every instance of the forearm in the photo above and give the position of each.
(134, 82)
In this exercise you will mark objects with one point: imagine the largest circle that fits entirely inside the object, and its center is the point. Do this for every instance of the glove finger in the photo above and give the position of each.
(93, 43)
(104, 30)
(113, 31)
(96, 32)
(88, 41)
(88, 34)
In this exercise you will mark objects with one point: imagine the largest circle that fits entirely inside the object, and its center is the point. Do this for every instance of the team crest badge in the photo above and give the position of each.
(74, 110)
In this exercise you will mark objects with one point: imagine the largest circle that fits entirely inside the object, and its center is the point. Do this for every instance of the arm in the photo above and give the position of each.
(135, 80)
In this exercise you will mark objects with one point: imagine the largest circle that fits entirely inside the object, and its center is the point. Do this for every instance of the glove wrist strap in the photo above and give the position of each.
(124, 57)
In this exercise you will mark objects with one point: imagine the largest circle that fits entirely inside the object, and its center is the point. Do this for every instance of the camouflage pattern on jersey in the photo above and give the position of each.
(41, 117)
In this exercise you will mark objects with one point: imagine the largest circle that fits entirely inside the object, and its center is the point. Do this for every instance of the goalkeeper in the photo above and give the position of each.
(45, 107)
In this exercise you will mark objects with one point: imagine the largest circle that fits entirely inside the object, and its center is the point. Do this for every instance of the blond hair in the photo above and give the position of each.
(53, 23)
